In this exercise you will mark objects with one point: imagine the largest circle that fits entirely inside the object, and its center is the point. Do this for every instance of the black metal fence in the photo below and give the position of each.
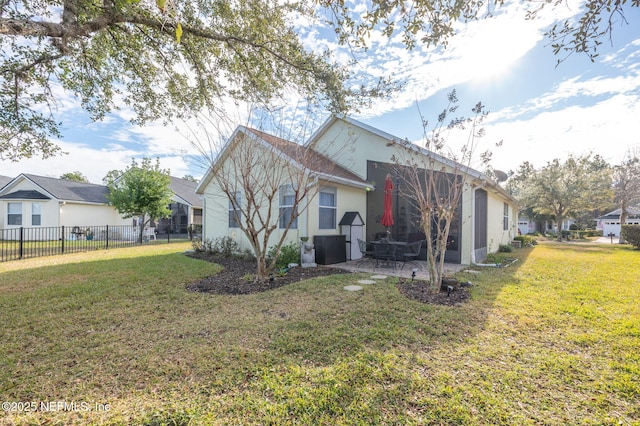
(24, 243)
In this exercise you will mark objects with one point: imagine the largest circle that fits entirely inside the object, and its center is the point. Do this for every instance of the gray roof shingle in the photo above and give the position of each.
(4, 180)
(71, 191)
(65, 190)
(186, 190)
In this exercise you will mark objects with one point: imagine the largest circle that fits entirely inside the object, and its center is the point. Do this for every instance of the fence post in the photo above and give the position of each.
(21, 242)
(107, 243)
(62, 245)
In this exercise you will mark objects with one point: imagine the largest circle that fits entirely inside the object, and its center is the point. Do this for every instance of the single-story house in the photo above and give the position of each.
(528, 226)
(37, 201)
(32, 201)
(186, 208)
(610, 222)
(350, 179)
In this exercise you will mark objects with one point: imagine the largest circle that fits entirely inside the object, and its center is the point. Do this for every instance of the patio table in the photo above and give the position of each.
(386, 252)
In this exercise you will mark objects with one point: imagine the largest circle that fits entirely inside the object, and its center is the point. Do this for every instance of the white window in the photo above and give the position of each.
(328, 208)
(287, 207)
(14, 214)
(505, 219)
(36, 214)
(235, 211)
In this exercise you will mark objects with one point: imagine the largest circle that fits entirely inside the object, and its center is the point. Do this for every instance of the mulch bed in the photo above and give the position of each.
(236, 279)
(418, 290)
(237, 273)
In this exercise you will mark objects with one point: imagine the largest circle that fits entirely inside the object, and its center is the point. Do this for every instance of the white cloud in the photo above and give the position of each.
(607, 128)
(91, 162)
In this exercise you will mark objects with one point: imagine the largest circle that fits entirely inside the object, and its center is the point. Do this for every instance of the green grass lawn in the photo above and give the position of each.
(554, 339)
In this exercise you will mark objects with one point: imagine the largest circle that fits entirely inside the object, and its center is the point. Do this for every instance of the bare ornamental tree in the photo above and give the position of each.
(268, 182)
(435, 178)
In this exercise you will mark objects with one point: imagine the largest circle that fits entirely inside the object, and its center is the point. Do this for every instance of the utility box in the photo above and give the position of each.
(330, 249)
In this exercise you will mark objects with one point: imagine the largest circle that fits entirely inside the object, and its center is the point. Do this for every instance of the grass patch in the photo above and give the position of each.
(553, 339)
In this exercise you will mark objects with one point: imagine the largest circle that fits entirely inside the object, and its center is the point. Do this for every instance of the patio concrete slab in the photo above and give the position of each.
(420, 266)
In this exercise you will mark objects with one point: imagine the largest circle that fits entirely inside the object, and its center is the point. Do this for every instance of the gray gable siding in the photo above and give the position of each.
(25, 195)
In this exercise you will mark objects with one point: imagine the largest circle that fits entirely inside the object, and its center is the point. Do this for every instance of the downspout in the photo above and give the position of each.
(473, 226)
(204, 217)
(305, 226)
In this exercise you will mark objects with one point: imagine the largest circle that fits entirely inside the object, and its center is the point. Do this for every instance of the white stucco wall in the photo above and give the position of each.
(48, 210)
(77, 214)
(349, 199)
(496, 234)
(216, 215)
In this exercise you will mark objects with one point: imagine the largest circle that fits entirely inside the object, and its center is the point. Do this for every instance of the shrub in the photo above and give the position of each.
(505, 248)
(225, 246)
(495, 258)
(631, 234)
(289, 253)
(573, 227)
(526, 240)
(202, 246)
(594, 232)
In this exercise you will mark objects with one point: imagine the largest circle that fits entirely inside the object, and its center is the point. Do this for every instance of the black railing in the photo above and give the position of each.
(24, 243)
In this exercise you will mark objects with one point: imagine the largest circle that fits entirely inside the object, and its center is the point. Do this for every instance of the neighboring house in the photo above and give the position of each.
(610, 222)
(37, 201)
(357, 159)
(528, 226)
(186, 208)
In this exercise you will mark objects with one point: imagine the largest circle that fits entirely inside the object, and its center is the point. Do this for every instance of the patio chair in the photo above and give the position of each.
(385, 255)
(411, 253)
(367, 255)
(149, 233)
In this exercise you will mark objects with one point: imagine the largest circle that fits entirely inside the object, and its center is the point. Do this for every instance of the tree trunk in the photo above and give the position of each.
(623, 219)
(559, 225)
(141, 233)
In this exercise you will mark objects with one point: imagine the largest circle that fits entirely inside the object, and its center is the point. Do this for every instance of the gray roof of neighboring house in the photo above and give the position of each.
(71, 191)
(632, 211)
(186, 190)
(66, 190)
(4, 180)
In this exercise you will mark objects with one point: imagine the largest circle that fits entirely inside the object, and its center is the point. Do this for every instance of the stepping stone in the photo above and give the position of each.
(352, 288)
(366, 282)
(379, 277)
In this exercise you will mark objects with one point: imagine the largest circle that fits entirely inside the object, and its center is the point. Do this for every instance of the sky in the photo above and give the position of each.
(539, 110)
